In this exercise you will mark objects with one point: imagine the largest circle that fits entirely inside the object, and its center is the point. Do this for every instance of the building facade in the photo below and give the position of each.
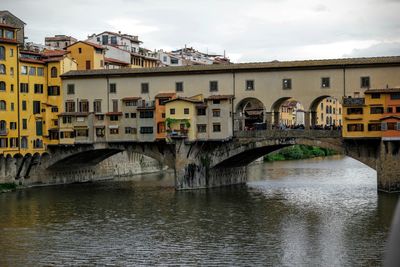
(59, 41)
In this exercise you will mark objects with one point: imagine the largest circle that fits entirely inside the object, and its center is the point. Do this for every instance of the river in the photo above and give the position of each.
(318, 212)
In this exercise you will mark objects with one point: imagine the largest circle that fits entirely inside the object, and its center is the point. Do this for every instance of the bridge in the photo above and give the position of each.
(205, 164)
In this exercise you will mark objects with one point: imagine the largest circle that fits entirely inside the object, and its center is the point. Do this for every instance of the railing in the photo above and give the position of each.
(178, 133)
(358, 101)
(3, 132)
(289, 133)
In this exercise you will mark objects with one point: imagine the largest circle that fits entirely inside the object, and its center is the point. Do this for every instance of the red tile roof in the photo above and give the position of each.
(8, 41)
(52, 53)
(88, 43)
(383, 90)
(114, 60)
(162, 95)
(31, 60)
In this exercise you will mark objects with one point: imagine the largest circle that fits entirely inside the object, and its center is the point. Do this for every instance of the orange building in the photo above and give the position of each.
(161, 98)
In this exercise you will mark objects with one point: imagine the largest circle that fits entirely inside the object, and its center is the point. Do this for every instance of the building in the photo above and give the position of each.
(160, 115)
(7, 18)
(9, 131)
(59, 41)
(376, 115)
(88, 56)
(329, 112)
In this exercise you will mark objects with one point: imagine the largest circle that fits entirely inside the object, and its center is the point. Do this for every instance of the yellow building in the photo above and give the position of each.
(87, 55)
(329, 112)
(8, 90)
(181, 117)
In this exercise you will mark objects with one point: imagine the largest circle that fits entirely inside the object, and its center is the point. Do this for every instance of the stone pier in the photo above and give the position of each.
(388, 167)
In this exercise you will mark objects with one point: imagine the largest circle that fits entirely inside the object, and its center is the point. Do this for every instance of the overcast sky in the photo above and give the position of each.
(249, 30)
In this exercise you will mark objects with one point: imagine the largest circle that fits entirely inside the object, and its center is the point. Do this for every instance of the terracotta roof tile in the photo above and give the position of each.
(31, 60)
(114, 60)
(161, 95)
(383, 90)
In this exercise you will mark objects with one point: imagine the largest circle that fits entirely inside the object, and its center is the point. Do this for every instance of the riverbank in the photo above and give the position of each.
(297, 152)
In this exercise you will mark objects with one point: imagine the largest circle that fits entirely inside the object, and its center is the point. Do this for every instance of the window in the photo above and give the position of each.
(36, 107)
(113, 88)
(322, 106)
(126, 115)
(374, 127)
(83, 106)
(365, 82)
(395, 96)
(97, 106)
(80, 50)
(2, 86)
(38, 88)
(340, 111)
(67, 119)
(131, 103)
(24, 70)
(216, 102)
(24, 124)
(54, 109)
(250, 85)
(114, 118)
(201, 128)
(82, 132)
(11, 52)
(147, 114)
(146, 130)
(351, 111)
(325, 82)
(12, 106)
(24, 142)
(201, 112)
(172, 111)
(287, 84)
(39, 128)
(53, 90)
(24, 88)
(69, 106)
(397, 109)
(24, 105)
(14, 142)
(9, 34)
(70, 89)
(114, 131)
(3, 105)
(179, 86)
(145, 88)
(40, 71)
(3, 125)
(213, 86)
(216, 112)
(216, 127)
(115, 105)
(389, 110)
(11, 71)
(375, 95)
(186, 111)
(133, 115)
(2, 69)
(388, 126)
(54, 72)
(32, 71)
(100, 132)
(2, 52)
(376, 110)
(13, 125)
(88, 64)
(3, 142)
(104, 39)
(356, 127)
(113, 40)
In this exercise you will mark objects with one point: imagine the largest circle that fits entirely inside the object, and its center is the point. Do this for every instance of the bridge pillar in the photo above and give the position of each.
(193, 171)
(268, 120)
(307, 120)
(276, 119)
(313, 118)
(388, 170)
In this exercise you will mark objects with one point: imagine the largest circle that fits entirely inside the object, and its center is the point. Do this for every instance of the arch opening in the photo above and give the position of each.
(289, 113)
(250, 114)
(326, 113)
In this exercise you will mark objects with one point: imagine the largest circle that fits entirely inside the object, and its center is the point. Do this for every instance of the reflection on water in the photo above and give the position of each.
(300, 213)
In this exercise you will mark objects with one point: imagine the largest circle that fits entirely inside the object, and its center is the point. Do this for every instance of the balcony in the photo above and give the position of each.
(3, 132)
(178, 134)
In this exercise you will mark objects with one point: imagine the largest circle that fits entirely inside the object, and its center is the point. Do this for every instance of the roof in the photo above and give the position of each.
(53, 59)
(242, 67)
(390, 117)
(131, 98)
(31, 60)
(186, 99)
(59, 38)
(114, 60)
(126, 36)
(88, 43)
(2, 25)
(162, 95)
(8, 41)
(51, 53)
(6, 12)
(220, 97)
(383, 90)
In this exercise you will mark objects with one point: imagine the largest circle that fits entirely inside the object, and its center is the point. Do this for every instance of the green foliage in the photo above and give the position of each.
(170, 121)
(299, 152)
(7, 186)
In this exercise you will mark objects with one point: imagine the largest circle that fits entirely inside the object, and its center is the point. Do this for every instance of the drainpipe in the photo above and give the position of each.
(344, 80)
(234, 96)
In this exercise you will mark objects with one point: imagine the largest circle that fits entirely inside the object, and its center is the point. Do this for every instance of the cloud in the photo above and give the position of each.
(379, 49)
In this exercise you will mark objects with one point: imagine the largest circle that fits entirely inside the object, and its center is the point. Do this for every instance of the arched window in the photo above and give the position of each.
(53, 72)
(2, 105)
(24, 142)
(2, 86)
(2, 69)
(2, 53)
(3, 125)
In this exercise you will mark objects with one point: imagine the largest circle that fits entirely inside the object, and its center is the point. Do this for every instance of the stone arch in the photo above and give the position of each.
(326, 113)
(250, 113)
(282, 116)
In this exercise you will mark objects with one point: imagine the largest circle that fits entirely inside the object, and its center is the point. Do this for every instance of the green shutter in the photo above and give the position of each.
(39, 128)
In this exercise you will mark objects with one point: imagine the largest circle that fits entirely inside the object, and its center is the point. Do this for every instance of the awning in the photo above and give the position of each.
(67, 130)
(113, 126)
(254, 112)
